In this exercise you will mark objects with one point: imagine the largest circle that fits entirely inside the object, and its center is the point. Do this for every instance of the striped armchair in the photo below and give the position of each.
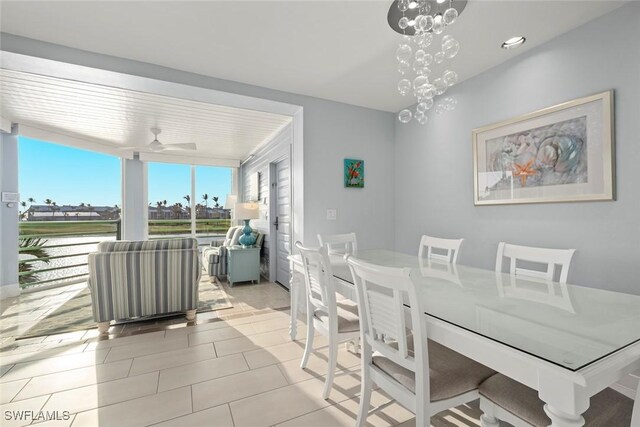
(214, 258)
(134, 279)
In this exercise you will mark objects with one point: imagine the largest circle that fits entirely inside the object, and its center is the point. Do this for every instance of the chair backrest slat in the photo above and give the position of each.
(452, 247)
(382, 294)
(550, 257)
(339, 243)
(318, 279)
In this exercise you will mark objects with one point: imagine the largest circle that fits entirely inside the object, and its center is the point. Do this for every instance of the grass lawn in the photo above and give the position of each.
(84, 228)
(77, 228)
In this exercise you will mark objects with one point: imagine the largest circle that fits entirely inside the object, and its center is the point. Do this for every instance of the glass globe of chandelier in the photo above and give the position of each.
(425, 46)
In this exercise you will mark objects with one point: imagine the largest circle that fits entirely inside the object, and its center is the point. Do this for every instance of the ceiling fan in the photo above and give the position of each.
(156, 145)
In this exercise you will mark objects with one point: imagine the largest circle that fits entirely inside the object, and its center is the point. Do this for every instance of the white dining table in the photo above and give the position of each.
(567, 342)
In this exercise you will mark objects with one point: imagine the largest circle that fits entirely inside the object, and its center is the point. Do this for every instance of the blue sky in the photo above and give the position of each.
(72, 176)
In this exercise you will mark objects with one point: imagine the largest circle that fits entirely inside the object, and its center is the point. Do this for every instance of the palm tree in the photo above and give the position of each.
(90, 209)
(177, 210)
(205, 197)
(215, 200)
(54, 208)
(31, 200)
(36, 251)
(187, 198)
(159, 204)
(23, 214)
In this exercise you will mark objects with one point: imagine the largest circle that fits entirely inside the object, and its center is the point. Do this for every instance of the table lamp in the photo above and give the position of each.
(230, 204)
(247, 212)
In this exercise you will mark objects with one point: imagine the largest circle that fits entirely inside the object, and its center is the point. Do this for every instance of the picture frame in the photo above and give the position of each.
(353, 173)
(563, 153)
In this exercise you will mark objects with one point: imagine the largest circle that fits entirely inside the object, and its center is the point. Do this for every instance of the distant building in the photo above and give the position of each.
(71, 213)
(89, 213)
(173, 212)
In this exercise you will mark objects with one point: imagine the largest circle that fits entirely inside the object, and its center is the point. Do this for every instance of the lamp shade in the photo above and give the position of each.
(231, 201)
(246, 211)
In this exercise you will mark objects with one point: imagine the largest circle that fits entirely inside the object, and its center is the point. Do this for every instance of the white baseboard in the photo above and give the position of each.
(9, 291)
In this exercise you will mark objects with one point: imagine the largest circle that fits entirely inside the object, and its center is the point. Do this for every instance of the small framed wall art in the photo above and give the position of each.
(563, 153)
(353, 173)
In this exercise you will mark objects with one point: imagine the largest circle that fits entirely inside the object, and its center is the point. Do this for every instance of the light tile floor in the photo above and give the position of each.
(235, 367)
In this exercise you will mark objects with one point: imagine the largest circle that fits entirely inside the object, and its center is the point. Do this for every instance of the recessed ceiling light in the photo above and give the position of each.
(413, 5)
(441, 1)
(411, 23)
(513, 42)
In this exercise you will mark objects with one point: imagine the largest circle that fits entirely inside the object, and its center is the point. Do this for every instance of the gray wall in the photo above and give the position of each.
(332, 131)
(433, 173)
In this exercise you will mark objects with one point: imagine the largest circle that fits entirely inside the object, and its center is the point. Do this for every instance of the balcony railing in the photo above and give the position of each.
(182, 227)
(60, 257)
(54, 252)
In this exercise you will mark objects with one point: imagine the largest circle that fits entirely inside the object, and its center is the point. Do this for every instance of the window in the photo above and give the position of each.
(169, 189)
(213, 184)
(178, 208)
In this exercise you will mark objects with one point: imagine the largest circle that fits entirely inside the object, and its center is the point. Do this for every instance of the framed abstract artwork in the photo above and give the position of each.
(353, 173)
(563, 153)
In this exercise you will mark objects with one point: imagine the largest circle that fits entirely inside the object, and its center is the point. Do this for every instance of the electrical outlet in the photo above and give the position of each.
(332, 214)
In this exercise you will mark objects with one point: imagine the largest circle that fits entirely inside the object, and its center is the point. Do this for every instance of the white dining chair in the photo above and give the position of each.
(504, 399)
(423, 376)
(339, 243)
(451, 246)
(529, 254)
(336, 319)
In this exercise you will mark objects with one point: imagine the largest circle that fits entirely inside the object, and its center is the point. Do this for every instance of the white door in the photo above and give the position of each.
(283, 220)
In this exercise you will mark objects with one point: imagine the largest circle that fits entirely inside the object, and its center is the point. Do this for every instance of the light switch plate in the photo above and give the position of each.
(8, 197)
(332, 214)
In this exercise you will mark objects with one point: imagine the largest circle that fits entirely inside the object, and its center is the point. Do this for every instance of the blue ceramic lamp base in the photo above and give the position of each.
(247, 239)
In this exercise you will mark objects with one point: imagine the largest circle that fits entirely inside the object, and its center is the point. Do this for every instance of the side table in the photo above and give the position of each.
(244, 264)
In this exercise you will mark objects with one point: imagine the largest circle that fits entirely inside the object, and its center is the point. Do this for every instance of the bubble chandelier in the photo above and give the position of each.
(425, 45)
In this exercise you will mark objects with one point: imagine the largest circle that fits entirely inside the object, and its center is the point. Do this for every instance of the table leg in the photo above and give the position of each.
(565, 401)
(293, 292)
(563, 419)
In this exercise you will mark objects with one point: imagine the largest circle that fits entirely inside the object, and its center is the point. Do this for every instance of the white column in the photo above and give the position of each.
(135, 211)
(297, 183)
(9, 216)
(193, 201)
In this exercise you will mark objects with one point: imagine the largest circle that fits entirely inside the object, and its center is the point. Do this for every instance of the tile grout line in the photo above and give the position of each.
(19, 391)
(97, 383)
(131, 366)
(191, 395)
(127, 401)
(233, 421)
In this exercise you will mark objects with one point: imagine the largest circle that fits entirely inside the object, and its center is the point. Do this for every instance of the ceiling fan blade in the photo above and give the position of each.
(187, 146)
